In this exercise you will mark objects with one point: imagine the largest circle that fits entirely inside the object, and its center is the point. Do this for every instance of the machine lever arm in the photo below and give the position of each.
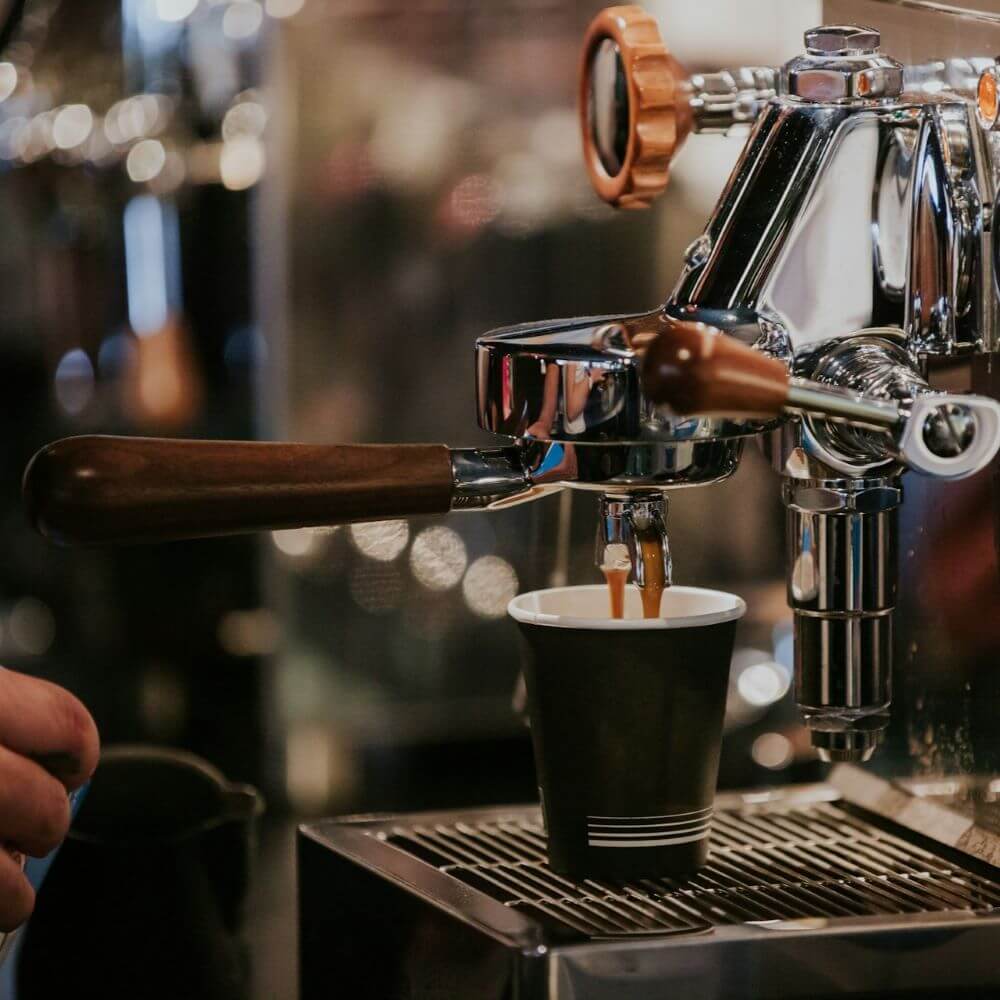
(695, 369)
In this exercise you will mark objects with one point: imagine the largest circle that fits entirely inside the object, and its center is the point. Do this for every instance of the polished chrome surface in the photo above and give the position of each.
(841, 545)
(726, 98)
(578, 381)
(875, 365)
(843, 670)
(608, 110)
(841, 539)
(482, 478)
(842, 40)
(623, 467)
(853, 242)
(884, 201)
(842, 63)
(624, 522)
(500, 477)
(776, 861)
(947, 622)
(956, 77)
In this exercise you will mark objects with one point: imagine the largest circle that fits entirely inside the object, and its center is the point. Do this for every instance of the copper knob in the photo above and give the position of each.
(634, 106)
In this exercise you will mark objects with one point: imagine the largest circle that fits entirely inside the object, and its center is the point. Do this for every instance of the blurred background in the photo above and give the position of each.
(289, 219)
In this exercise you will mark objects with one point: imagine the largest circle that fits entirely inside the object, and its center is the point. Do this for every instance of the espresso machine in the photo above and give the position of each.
(839, 311)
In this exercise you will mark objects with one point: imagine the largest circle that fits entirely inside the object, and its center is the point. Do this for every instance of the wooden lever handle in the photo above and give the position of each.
(694, 368)
(105, 490)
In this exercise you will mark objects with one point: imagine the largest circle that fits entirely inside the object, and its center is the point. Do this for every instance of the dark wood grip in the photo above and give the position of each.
(693, 368)
(106, 490)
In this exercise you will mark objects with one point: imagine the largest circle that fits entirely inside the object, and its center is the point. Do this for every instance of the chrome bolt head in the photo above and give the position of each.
(842, 40)
(842, 64)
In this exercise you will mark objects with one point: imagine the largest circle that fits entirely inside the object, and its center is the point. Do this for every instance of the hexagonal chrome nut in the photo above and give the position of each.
(842, 40)
(836, 80)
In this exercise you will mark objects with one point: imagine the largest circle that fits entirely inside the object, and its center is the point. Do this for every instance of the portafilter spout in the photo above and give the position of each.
(632, 539)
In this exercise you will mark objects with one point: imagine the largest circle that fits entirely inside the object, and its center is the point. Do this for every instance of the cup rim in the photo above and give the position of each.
(530, 617)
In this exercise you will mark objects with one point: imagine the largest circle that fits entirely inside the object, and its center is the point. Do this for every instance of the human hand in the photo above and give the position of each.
(48, 747)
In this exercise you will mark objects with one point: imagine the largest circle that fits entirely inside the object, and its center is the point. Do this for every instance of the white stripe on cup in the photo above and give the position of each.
(663, 842)
(647, 826)
(640, 834)
(625, 831)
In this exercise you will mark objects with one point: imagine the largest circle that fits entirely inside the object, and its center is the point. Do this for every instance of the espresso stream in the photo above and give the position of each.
(651, 554)
(617, 578)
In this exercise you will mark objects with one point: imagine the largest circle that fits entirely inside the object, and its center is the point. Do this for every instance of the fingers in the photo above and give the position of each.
(45, 722)
(17, 898)
(34, 806)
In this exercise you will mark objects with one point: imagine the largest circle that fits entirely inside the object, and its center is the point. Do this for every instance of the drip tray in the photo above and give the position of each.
(765, 865)
(806, 894)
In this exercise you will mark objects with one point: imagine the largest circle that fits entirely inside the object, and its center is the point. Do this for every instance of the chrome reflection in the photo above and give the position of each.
(578, 381)
(608, 106)
(884, 201)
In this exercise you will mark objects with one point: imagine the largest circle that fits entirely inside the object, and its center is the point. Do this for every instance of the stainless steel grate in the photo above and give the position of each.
(765, 865)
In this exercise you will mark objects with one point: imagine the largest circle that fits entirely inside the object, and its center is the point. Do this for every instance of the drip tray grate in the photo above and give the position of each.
(766, 864)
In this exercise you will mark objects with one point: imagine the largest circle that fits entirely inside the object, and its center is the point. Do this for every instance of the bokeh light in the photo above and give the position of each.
(32, 626)
(145, 160)
(72, 125)
(242, 19)
(438, 558)
(488, 587)
(773, 751)
(8, 80)
(382, 541)
(245, 118)
(763, 683)
(296, 543)
(74, 381)
(175, 10)
(241, 162)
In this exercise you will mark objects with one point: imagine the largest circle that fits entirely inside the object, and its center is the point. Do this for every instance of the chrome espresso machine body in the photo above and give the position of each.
(853, 243)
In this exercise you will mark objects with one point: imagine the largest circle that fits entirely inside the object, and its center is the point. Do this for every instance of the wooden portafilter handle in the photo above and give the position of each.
(96, 490)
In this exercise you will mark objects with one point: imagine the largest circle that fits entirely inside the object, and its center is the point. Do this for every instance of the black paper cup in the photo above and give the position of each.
(626, 720)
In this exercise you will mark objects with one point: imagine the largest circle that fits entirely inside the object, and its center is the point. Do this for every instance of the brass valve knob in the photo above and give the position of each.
(634, 106)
